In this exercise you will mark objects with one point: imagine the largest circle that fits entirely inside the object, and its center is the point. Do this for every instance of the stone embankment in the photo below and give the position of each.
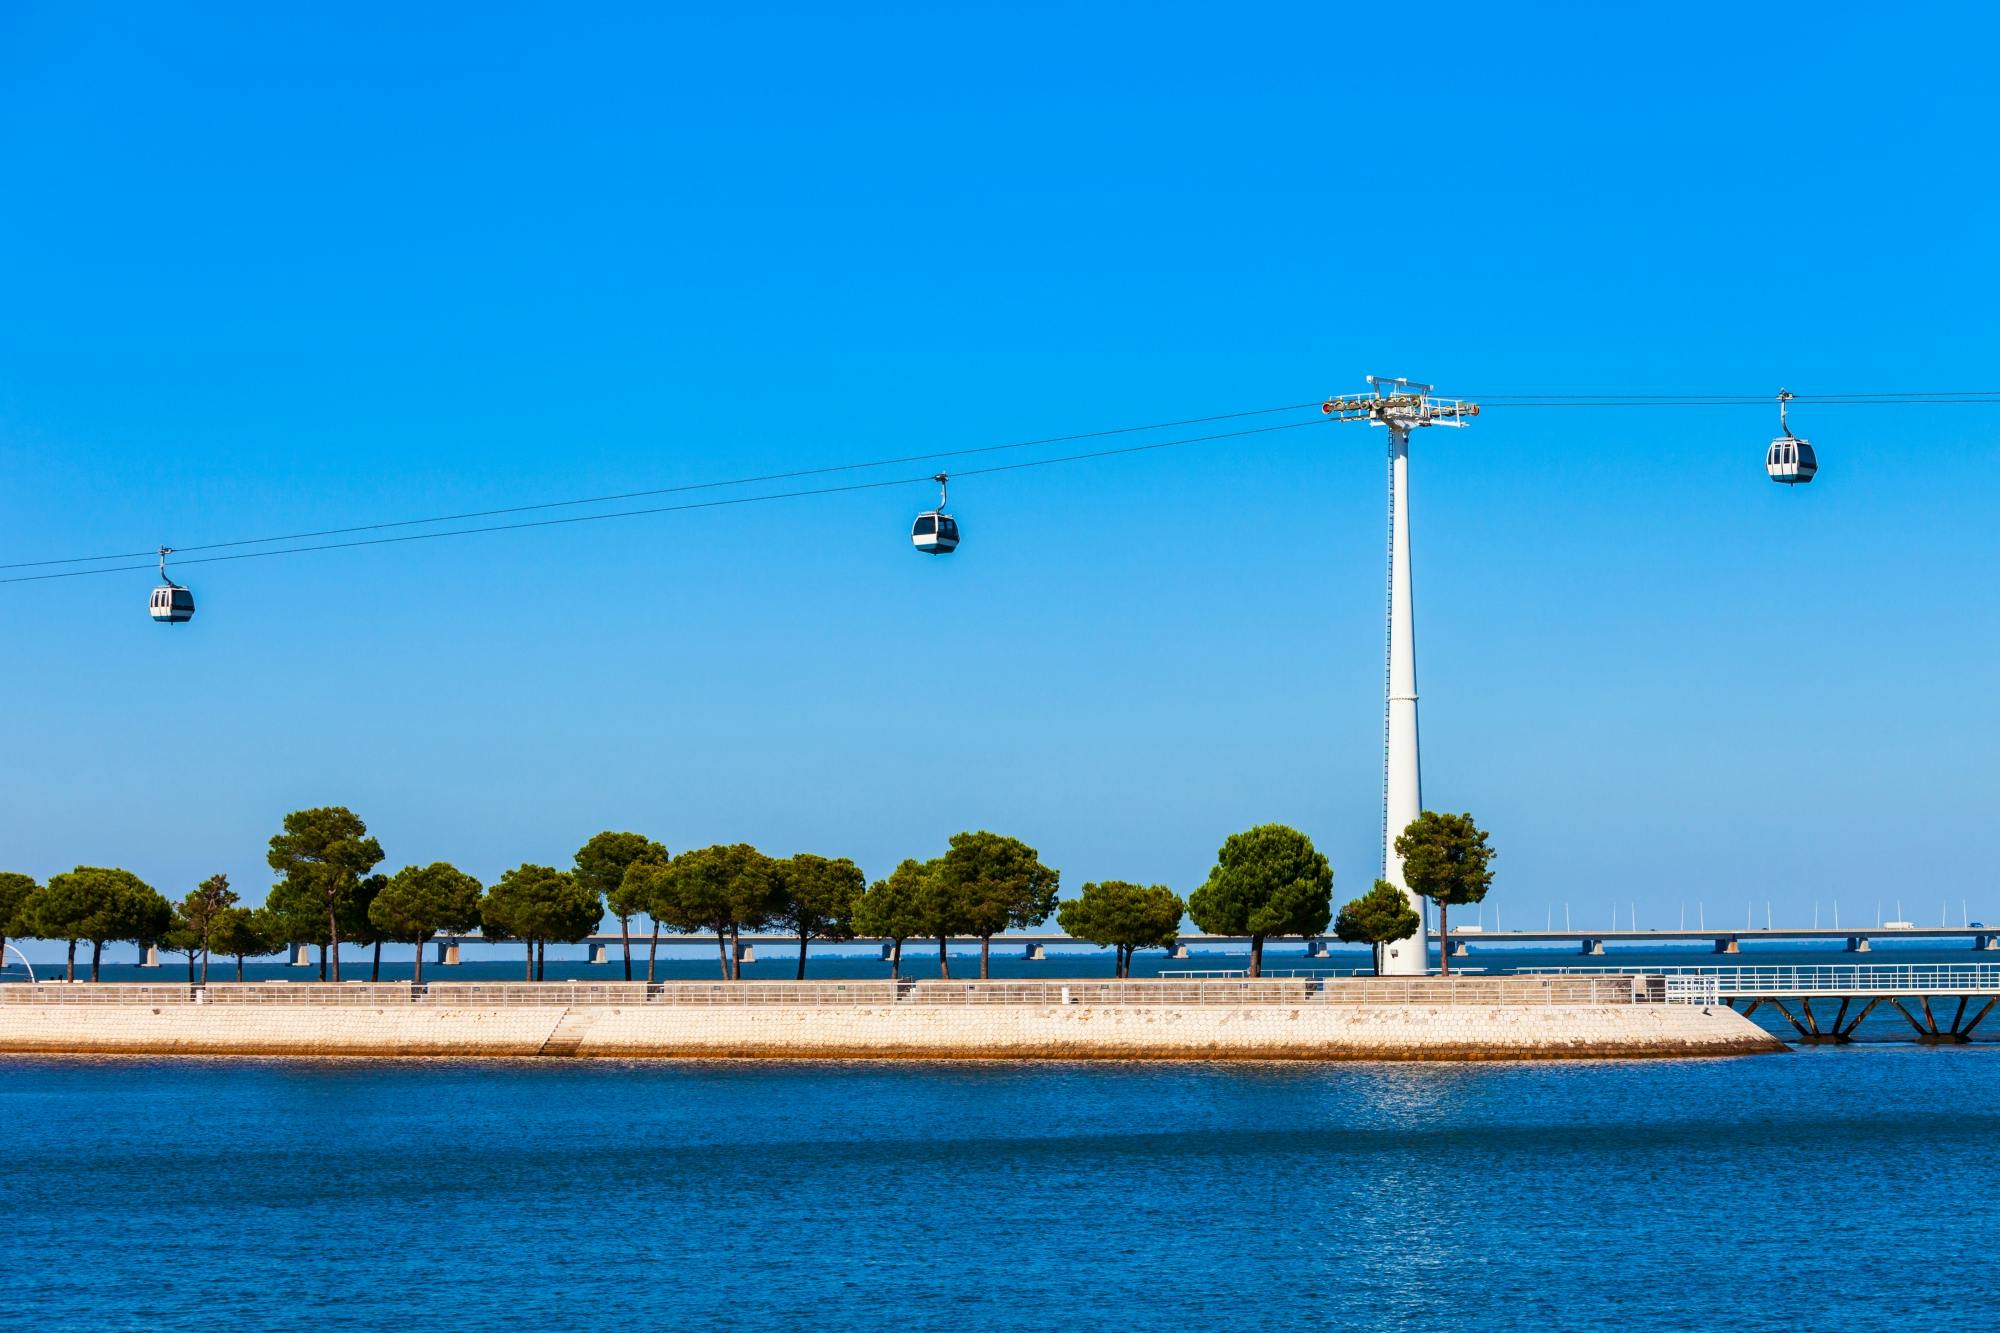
(1512, 1018)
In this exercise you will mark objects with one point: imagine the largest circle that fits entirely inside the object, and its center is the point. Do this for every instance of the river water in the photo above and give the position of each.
(1850, 1188)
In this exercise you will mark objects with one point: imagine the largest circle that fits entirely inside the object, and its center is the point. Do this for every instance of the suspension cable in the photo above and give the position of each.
(671, 509)
(674, 490)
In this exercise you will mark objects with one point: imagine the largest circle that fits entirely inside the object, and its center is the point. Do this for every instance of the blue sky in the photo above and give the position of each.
(271, 270)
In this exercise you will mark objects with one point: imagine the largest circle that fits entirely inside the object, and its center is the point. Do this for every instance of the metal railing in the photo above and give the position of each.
(1818, 979)
(1596, 989)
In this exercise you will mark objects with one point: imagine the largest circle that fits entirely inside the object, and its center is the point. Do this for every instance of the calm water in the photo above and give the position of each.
(1851, 1188)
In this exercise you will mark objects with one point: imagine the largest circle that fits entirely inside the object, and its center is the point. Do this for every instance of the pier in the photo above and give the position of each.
(1968, 988)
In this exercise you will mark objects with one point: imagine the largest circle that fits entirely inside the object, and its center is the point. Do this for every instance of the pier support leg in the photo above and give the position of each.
(1797, 1026)
(1179, 953)
(1986, 943)
(1937, 1036)
(1908, 1017)
(1728, 945)
(1859, 944)
(1847, 1033)
(1034, 953)
(1966, 1031)
(1831, 1035)
(1593, 948)
(301, 954)
(600, 953)
(149, 955)
(1459, 949)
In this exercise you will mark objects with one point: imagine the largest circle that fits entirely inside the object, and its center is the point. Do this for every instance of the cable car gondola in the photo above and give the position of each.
(1790, 460)
(172, 604)
(935, 532)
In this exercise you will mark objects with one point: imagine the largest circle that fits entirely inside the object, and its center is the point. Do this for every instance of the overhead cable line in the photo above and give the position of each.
(1939, 397)
(673, 509)
(672, 490)
(1961, 396)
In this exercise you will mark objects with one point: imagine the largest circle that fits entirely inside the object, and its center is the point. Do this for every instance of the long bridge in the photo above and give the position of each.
(1590, 943)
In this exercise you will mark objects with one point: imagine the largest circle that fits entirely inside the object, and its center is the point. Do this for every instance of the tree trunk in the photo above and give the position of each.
(96, 954)
(802, 955)
(653, 953)
(1256, 955)
(1444, 939)
(204, 964)
(69, 971)
(239, 967)
(531, 959)
(190, 965)
(322, 964)
(418, 979)
(722, 949)
(895, 960)
(375, 967)
(333, 940)
(985, 948)
(735, 952)
(625, 942)
(541, 960)
(944, 960)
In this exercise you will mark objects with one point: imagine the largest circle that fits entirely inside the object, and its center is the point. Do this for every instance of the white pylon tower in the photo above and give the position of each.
(1401, 407)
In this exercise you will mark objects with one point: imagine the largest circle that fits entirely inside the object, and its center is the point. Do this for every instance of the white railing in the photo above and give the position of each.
(1691, 990)
(1821, 979)
(1316, 989)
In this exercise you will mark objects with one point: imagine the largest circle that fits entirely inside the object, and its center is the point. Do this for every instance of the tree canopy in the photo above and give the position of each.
(602, 865)
(15, 890)
(420, 901)
(997, 882)
(891, 909)
(727, 888)
(1124, 916)
(100, 905)
(241, 933)
(1267, 881)
(193, 927)
(322, 855)
(1378, 917)
(1446, 859)
(538, 904)
(816, 898)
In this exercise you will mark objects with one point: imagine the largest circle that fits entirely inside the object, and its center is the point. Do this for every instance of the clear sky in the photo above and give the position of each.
(268, 269)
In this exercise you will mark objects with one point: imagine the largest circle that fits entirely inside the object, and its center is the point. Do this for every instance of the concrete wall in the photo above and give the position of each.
(1304, 1031)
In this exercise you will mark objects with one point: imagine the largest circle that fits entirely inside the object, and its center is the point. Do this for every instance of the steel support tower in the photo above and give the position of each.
(1400, 407)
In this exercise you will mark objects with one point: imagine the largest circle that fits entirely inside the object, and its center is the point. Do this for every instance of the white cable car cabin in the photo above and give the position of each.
(1790, 460)
(935, 532)
(172, 604)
